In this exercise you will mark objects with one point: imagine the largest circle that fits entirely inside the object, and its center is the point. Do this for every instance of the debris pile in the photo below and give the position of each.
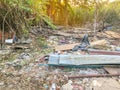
(74, 64)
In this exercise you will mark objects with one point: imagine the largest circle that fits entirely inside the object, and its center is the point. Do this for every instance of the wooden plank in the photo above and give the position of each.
(89, 59)
(53, 60)
(103, 52)
(111, 70)
(63, 34)
(65, 47)
(102, 42)
(75, 35)
(70, 46)
(76, 60)
(112, 34)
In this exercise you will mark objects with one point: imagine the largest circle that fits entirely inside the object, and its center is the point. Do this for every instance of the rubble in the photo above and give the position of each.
(104, 84)
(68, 86)
(32, 70)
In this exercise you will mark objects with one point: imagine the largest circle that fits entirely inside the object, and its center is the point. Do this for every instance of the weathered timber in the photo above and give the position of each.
(65, 47)
(103, 52)
(70, 46)
(88, 59)
(54, 59)
(93, 75)
(84, 59)
(111, 70)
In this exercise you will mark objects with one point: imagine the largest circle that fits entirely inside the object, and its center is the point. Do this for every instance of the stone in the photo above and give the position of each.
(68, 86)
(1, 83)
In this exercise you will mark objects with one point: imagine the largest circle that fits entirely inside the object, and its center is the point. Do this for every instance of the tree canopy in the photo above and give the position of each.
(19, 15)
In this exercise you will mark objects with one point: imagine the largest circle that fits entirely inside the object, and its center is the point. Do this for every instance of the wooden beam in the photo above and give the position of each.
(70, 46)
(89, 59)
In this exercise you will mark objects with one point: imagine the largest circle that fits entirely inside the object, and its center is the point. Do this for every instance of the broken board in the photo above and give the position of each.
(111, 70)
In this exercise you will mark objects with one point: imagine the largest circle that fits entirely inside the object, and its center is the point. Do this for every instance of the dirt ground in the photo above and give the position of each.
(28, 69)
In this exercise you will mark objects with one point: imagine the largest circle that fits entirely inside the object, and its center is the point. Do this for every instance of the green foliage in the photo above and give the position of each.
(14, 15)
(49, 22)
(41, 42)
(19, 15)
(108, 14)
(111, 16)
(80, 16)
(79, 12)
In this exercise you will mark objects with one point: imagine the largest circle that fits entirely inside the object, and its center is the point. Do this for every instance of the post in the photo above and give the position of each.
(95, 18)
(3, 38)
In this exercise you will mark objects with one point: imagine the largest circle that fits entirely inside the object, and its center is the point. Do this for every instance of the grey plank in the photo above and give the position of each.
(88, 59)
(53, 60)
